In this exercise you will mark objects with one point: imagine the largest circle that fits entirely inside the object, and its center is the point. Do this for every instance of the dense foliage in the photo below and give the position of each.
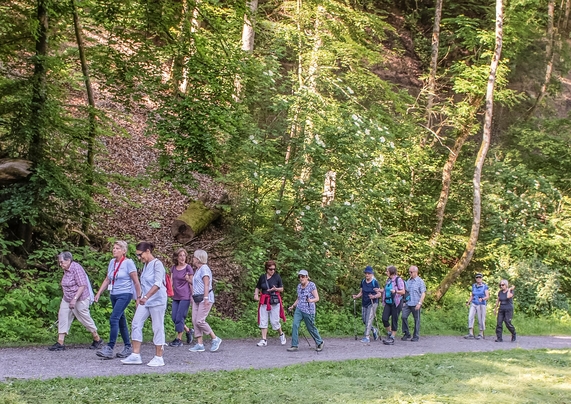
(319, 133)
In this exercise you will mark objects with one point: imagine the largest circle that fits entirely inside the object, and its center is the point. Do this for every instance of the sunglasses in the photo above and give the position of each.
(503, 284)
(140, 255)
(271, 269)
(302, 276)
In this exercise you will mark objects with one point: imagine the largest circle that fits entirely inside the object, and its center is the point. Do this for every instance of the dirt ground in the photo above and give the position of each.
(79, 361)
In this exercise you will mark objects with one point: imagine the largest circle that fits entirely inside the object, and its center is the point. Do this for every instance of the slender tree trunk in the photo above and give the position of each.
(549, 55)
(248, 28)
(566, 19)
(433, 61)
(462, 264)
(446, 180)
(92, 111)
(194, 26)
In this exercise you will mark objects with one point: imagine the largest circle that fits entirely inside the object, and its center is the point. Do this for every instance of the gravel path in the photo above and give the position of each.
(78, 361)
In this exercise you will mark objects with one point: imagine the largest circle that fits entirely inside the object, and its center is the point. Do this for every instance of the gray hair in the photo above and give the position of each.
(122, 244)
(201, 255)
(65, 256)
(505, 281)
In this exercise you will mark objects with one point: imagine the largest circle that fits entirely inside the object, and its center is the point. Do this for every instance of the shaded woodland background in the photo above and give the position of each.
(331, 134)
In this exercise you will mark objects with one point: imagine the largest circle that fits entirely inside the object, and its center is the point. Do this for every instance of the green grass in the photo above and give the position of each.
(516, 376)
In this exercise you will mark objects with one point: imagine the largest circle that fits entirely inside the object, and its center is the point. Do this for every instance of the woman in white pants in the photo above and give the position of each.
(152, 303)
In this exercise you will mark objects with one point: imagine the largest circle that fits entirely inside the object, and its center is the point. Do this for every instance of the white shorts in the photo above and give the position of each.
(274, 316)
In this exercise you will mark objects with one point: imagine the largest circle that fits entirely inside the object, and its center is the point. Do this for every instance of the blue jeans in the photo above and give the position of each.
(117, 321)
(309, 320)
(179, 313)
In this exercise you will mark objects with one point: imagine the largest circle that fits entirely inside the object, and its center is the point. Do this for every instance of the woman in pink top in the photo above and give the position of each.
(181, 277)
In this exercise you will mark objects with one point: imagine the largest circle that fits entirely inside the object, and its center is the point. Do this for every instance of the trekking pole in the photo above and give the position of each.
(355, 319)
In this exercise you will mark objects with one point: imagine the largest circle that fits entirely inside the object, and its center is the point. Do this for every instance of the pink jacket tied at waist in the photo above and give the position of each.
(265, 299)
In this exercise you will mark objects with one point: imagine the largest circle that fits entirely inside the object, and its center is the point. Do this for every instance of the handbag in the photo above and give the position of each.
(274, 299)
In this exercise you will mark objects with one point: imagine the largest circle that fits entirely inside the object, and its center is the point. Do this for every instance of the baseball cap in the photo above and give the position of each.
(368, 269)
(303, 272)
(479, 275)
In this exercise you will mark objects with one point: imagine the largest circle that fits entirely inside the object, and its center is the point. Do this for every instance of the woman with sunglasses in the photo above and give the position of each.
(270, 302)
(152, 303)
(505, 310)
(121, 281)
(304, 307)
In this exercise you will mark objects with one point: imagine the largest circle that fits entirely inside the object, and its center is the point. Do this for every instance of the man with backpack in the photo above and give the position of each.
(369, 303)
(413, 299)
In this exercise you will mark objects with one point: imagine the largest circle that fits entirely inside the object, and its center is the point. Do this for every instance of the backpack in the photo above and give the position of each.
(374, 283)
(406, 296)
(389, 299)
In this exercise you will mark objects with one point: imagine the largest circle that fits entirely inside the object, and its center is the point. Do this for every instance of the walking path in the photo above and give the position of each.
(78, 361)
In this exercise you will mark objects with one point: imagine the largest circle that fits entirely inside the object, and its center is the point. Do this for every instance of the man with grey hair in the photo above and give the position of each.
(417, 291)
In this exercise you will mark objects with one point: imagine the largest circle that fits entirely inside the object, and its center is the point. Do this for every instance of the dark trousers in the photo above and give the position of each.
(117, 320)
(179, 313)
(392, 311)
(406, 311)
(505, 316)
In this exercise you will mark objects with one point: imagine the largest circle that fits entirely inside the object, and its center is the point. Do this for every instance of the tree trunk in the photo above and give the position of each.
(550, 57)
(446, 180)
(14, 170)
(248, 28)
(194, 26)
(462, 264)
(92, 110)
(566, 19)
(433, 61)
(193, 221)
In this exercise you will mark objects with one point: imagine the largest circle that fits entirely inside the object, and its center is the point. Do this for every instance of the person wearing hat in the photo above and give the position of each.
(477, 302)
(369, 303)
(304, 307)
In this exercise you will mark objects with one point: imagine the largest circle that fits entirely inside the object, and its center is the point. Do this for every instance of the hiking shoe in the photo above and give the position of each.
(319, 347)
(415, 339)
(262, 342)
(513, 337)
(157, 361)
(405, 338)
(176, 342)
(189, 336)
(97, 344)
(57, 347)
(293, 349)
(106, 352)
(127, 350)
(375, 334)
(215, 344)
(389, 341)
(469, 336)
(133, 359)
(283, 338)
(498, 340)
(197, 348)
(480, 336)
(366, 340)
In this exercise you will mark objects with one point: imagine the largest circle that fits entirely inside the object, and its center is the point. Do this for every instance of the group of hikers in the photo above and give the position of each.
(190, 284)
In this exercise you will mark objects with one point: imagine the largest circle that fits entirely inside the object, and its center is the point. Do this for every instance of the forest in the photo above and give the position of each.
(327, 135)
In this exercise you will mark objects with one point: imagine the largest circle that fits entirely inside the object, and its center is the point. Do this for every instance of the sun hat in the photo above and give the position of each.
(303, 272)
(368, 269)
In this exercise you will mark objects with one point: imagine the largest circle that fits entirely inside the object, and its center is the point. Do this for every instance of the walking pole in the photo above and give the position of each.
(355, 319)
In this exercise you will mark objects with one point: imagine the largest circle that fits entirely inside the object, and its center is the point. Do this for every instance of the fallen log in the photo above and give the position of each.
(14, 170)
(193, 221)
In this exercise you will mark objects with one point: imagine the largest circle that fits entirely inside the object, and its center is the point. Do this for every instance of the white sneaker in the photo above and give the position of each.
(262, 342)
(133, 359)
(283, 339)
(157, 361)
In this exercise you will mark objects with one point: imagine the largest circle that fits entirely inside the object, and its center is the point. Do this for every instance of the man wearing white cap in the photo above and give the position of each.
(477, 303)
(304, 307)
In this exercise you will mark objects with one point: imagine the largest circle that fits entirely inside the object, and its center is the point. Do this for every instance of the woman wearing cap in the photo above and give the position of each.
(270, 303)
(369, 302)
(477, 303)
(505, 303)
(304, 307)
(202, 301)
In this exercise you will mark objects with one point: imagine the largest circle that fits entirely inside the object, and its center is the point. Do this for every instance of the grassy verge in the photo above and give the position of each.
(516, 376)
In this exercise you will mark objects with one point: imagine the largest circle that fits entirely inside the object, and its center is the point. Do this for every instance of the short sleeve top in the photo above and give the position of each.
(303, 294)
(265, 283)
(182, 289)
(119, 275)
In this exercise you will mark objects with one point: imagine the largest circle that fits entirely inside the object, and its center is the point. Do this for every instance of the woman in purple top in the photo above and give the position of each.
(75, 302)
(392, 302)
(181, 277)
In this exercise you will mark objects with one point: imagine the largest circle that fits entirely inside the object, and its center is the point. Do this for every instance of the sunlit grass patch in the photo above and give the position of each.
(515, 376)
